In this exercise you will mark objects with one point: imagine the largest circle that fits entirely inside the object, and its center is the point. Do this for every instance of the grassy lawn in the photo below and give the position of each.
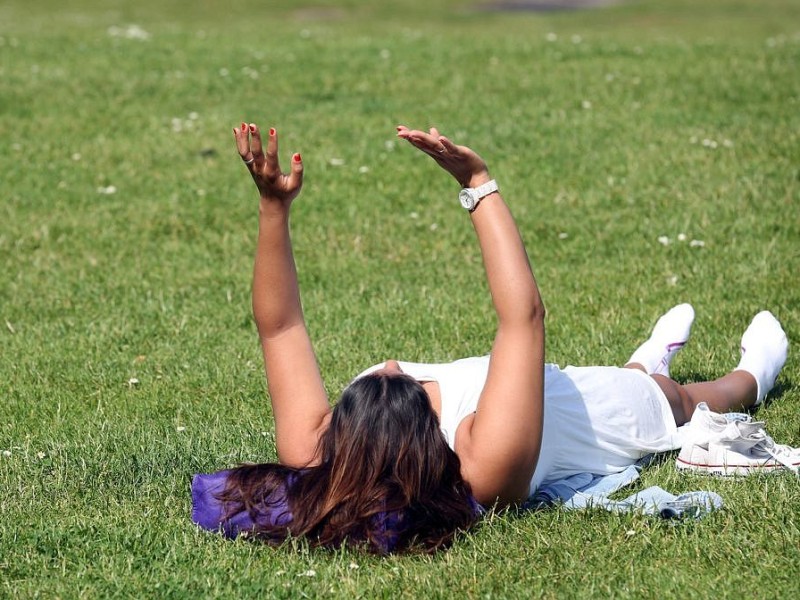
(649, 149)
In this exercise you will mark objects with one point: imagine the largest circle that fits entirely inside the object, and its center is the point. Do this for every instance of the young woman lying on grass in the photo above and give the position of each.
(411, 451)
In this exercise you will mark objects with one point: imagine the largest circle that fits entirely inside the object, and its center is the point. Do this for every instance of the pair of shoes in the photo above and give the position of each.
(732, 444)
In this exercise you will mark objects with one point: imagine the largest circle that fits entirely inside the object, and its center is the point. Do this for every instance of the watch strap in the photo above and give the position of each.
(485, 189)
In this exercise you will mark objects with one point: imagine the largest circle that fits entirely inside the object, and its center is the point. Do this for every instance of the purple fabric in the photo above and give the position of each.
(209, 513)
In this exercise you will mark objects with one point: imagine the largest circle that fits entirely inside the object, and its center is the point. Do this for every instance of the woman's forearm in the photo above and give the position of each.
(512, 284)
(276, 295)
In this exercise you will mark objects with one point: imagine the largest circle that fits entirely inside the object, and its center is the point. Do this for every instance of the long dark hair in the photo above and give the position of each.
(387, 480)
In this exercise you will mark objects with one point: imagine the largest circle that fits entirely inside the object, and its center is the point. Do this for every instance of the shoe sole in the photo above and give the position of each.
(730, 470)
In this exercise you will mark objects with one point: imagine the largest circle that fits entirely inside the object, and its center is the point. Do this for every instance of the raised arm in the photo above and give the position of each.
(499, 445)
(299, 402)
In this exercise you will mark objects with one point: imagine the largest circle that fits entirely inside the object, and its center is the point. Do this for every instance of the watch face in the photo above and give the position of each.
(467, 197)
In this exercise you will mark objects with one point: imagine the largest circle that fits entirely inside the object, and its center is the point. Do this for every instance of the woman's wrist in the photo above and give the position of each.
(478, 179)
(268, 206)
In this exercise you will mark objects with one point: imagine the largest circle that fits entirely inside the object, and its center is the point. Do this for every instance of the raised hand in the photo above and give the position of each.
(272, 184)
(461, 162)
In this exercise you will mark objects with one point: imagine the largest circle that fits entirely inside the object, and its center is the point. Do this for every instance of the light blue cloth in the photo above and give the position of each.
(585, 490)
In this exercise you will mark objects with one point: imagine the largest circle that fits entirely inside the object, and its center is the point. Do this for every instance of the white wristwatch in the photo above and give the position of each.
(470, 197)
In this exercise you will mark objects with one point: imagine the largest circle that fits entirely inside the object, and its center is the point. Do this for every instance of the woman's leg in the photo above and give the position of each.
(764, 349)
(735, 391)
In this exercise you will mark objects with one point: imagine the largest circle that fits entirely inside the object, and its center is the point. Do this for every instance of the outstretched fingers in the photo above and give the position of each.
(296, 173)
(256, 147)
(428, 142)
(273, 164)
(448, 145)
(264, 166)
(242, 137)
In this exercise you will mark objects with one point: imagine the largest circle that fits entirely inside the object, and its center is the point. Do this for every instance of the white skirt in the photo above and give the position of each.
(601, 420)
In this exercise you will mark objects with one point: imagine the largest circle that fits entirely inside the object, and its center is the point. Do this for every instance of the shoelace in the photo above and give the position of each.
(780, 452)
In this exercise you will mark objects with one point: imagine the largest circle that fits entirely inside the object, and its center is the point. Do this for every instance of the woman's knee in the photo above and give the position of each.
(680, 401)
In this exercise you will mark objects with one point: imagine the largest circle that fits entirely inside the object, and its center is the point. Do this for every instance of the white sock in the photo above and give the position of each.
(764, 349)
(669, 335)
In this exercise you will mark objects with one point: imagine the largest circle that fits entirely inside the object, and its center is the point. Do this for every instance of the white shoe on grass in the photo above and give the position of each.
(732, 444)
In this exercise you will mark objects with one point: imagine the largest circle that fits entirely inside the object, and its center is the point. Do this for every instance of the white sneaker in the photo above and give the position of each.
(732, 444)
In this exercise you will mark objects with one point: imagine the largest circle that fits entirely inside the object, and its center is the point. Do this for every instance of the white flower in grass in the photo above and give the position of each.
(576, 39)
(708, 143)
(76, 156)
(414, 215)
(672, 280)
(223, 72)
(681, 237)
(180, 428)
(389, 145)
(697, 243)
(107, 190)
(250, 72)
(6, 453)
(586, 105)
(309, 573)
(727, 143)
(693, 139)
(630, 532)
(363, 169)
(40, 455)
(433, 227)
(352, 565)
(131, 32)
(663, 240)
(336, 162)
(563, 235)
(133, 382)
(193, 116)
(551, 37)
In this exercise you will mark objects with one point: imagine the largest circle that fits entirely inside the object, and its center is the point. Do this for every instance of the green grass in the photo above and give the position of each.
(593, 123)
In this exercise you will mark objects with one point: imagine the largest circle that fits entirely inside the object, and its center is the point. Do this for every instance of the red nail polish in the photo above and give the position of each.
(253, 128)
(272, 131)
(244, 127)
(296, 157)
